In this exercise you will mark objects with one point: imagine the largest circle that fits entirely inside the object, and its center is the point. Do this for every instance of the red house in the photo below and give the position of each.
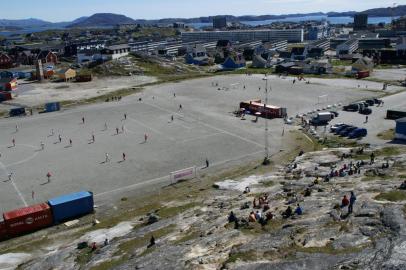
(47, 57)
(5, 61)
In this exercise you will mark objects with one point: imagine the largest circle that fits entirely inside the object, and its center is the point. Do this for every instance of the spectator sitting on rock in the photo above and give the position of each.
(251, 217)
(258, 215)
(403, 185)
(298, 210)
(269, 216)
(287, 213)
(247, 190)
(232, 217)
(245, 205)
(307, 192)
(344, 202)
(151, 242)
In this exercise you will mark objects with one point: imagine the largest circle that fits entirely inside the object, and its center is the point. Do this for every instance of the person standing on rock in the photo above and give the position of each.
(352, 201)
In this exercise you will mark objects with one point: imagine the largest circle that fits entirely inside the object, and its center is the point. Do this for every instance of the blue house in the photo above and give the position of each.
(234, 62)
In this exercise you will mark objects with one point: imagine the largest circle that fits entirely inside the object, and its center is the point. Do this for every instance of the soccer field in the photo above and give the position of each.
(205, 127)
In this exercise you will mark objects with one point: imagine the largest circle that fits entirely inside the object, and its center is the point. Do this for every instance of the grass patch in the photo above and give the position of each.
(122, 92)
(388, 151)
(107, 265)
(84, 256)
(387, 135)
(341, 62)
(268, 183)
(189, 236)
(167, 212)
(376, 178)
(329, 249)
(128, 246)
(256, 228)
(392, 196)
(242, 256)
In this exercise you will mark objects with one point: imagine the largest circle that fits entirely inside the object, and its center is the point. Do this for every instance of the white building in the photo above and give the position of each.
(291, 35)
(116, 51)
(348, 47)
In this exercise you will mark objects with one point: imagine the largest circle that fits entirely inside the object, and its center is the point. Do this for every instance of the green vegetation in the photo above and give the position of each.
(243, 256)
(189, 236)
(154, 32)
(376, 178)
(392, 196)
(341, 62)
(131, 245)
(107, 265)
(387, 135)
(122, 92)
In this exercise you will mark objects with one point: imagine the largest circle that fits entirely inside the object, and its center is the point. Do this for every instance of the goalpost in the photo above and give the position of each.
(322, 99)
(185, 174)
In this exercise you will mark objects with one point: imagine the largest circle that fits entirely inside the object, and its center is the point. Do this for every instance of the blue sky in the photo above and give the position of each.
(56, 10)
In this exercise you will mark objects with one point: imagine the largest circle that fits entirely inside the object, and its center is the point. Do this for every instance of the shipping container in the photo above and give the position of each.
(17, 112)
(3, 231)
(4, 96)
(52, 107)
(393, 115)
(400, 131)
(362, 74)
(72, 205)
(267, 111)
(84, 78)
(28, 219)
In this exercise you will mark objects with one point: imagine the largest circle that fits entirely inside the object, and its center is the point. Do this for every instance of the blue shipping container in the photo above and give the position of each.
(72, 205)
(52, 107)
(17, 112)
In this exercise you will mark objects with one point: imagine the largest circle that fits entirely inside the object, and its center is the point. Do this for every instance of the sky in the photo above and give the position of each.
(57, 11)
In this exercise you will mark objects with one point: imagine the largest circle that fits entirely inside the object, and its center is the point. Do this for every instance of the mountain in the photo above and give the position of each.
(25, 23)
(101, 19)
(383, 12)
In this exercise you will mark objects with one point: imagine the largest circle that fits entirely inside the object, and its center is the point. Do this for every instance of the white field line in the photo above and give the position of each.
(14, 185)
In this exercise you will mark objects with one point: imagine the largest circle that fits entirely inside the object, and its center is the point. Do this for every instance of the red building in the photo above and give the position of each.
(47, 57)
(5, 61)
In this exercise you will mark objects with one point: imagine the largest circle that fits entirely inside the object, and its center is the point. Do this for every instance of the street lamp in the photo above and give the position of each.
(266, 159)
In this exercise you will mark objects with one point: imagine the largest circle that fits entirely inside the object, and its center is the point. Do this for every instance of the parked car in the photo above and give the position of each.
(336, 126)
(358, 133)
(365, 111)
(335, 113)
(346, 131)
(341, 128)
(351, 107)
(370, 102)
(377, 101)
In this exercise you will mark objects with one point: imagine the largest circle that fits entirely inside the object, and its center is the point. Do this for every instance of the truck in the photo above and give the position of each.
(322, 118)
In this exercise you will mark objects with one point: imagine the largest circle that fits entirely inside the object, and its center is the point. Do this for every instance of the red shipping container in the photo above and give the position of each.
(28, 219)
(6, 95)
(3, 231)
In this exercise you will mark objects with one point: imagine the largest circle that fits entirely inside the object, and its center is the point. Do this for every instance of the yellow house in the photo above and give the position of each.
(67, 74)
(363, 64)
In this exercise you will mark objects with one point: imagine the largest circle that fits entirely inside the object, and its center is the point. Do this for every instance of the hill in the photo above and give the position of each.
(102, 19)
(382, 12)
(24, 23)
